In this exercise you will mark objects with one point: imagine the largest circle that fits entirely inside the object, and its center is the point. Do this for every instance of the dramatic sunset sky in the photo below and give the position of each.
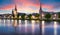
(29, 6)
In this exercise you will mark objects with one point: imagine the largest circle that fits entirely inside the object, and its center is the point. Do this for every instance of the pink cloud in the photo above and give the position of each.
(7, 7)
(25, 4)
(49, 7)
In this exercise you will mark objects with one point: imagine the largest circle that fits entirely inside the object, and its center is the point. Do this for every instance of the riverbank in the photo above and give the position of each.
(32, 19)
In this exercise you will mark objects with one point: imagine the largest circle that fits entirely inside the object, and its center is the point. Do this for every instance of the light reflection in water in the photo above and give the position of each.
(4, 22)
(33, 26)
(55, 28)
(25, 25)
(43, 27)
(20, 23)
(8, 22)
(33, 22)
(15, 23)
(0, 20)
(11, 20)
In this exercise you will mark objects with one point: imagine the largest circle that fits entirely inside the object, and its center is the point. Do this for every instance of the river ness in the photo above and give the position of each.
(27, 27)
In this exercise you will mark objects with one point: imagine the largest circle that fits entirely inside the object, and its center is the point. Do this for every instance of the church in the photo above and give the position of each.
(14, 12)
(43, 13)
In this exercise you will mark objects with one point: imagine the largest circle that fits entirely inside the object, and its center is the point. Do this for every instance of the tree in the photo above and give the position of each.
(17, 16)
(29, 16)
(37, 15)
(23, 16)
(48, 15)
(59, 15)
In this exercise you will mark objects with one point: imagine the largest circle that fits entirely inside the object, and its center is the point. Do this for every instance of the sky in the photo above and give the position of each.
(29, 6)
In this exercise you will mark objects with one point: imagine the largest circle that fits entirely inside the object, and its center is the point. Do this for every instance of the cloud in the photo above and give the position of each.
(7, 7)
(28, 5)
(48, 7)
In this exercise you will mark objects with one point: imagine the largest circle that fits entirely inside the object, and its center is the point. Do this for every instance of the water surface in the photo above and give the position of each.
(26, 27)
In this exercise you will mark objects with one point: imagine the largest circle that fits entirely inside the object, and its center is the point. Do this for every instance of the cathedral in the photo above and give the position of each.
(14, 12)
(41, 12)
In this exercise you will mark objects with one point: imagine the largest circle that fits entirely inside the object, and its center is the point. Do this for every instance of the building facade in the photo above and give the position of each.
(41, 12)
(14, 12)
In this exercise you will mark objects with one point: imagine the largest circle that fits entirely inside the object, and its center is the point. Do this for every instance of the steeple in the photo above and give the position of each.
(14, 12)
(15, 8)
(40, 10)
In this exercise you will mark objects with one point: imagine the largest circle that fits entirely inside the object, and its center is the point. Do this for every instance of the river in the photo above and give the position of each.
(27, 27)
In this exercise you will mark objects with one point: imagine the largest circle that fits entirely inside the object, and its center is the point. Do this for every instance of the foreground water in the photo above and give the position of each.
(26, 27)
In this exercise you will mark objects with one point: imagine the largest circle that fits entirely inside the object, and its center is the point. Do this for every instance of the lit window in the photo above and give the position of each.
(42, 14)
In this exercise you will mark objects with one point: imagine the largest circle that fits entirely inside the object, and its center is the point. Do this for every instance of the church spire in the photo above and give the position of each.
(40, 7)
(40, 10)
(15, 8)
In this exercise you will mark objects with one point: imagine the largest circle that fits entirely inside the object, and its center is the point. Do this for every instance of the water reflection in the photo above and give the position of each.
(33, 22)
(55, 28)
(27, 27)
(15, 23)
(43, 25)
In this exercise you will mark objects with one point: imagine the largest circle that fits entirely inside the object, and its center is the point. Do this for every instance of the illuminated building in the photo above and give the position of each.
(41, 12)
(14, 12)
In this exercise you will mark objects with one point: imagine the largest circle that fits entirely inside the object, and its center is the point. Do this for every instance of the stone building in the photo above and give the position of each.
(14, 12)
